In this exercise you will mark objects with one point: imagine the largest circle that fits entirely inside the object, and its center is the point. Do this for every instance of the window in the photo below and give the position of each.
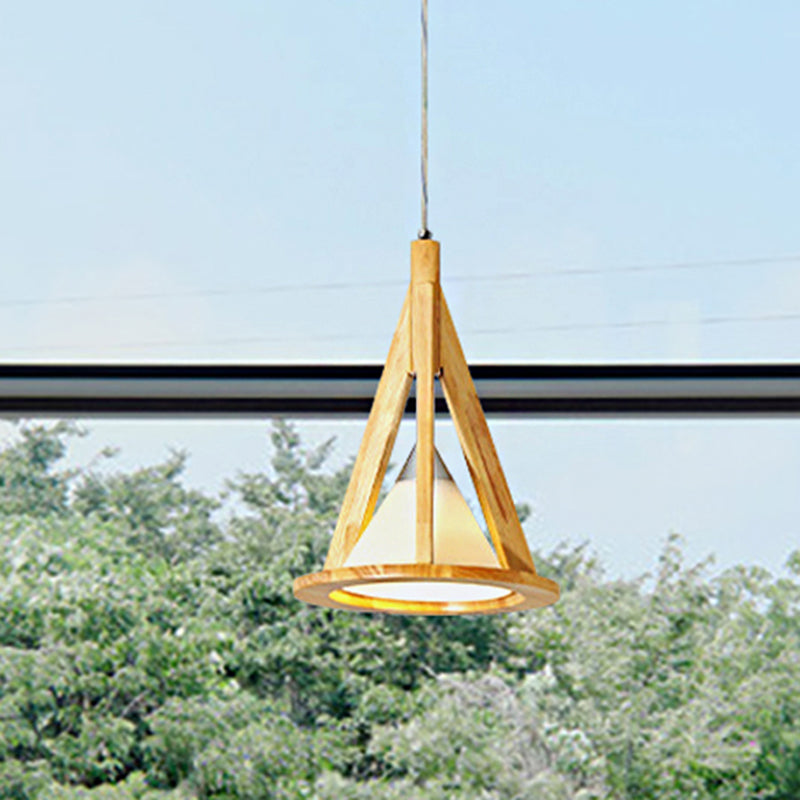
(182, 183)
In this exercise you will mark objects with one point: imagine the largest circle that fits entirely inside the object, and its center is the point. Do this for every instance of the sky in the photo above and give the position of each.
(239, 182)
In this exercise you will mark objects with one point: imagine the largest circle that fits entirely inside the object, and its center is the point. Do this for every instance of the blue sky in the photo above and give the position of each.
(182, 181)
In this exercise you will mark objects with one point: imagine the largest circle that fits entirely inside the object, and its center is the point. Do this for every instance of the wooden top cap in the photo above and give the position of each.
(424, 261)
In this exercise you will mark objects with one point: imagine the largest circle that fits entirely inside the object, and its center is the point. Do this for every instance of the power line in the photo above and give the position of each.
(233, 340)
(195, 293)
(283, 288)
(565, 272)
(663, 322)
(787, 317)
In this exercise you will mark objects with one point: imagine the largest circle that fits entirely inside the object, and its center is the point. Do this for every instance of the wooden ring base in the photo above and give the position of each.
(336, 588)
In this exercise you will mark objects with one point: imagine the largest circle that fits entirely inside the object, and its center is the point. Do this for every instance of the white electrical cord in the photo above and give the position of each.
(424, 233)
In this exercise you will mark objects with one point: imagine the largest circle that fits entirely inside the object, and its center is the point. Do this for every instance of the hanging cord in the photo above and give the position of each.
(424, 233)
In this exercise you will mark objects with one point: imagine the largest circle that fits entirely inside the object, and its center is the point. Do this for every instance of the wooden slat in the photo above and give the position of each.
(422, 317)
(480, 453)
(376, 445)
(424, 335)
(425, 357)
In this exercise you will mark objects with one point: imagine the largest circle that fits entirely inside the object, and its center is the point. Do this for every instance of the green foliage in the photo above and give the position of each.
(151, 509)
(29, 484)
(151, 649)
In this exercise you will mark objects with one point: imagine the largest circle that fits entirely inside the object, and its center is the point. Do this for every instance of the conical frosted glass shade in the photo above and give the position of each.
(390, 538)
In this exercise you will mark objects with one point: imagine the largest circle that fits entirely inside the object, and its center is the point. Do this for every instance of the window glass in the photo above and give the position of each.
(150, 644)
(608, 185)
(622, 487)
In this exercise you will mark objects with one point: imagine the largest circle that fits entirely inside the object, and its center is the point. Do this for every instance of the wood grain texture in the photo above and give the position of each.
(425, 261)
(338, 588)
(425, 359)
(480, 453)
(376, 444)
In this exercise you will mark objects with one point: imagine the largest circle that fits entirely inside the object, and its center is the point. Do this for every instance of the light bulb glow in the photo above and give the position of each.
(430, 591)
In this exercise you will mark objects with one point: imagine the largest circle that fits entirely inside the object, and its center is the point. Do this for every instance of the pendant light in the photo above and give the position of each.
(422, 551)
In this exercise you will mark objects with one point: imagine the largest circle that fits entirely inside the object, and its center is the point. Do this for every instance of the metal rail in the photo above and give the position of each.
(346, 390)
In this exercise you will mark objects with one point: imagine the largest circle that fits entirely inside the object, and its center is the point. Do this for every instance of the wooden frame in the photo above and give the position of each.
(426, 346)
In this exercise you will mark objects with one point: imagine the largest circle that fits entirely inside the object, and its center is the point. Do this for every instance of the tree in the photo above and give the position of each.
(151, 649)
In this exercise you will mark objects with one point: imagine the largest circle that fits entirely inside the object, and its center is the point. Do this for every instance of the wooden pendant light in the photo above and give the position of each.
(426, 347)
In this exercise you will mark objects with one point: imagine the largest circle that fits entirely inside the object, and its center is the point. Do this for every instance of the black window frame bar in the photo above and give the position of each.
(346, 390)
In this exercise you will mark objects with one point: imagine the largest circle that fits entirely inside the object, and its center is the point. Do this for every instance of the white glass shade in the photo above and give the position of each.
(390, 538)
